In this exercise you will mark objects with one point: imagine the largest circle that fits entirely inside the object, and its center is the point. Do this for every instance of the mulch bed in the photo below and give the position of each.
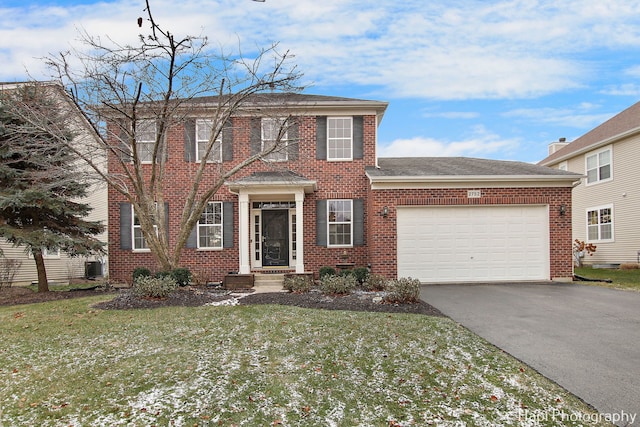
(194, 297)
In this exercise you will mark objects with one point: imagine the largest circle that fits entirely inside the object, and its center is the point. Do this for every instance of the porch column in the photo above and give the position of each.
(299, 231)
(243, 233)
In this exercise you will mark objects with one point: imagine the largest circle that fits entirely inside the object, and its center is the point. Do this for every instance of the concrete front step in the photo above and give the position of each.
(268, 280)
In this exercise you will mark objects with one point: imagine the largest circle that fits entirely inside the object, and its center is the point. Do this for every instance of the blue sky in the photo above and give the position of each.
(491, 79)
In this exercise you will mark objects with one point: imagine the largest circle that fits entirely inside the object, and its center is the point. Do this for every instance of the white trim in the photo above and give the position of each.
(612, 222)
(329, 223)
(340, 159)
(221, 226)
(214, 149)
(597, 153)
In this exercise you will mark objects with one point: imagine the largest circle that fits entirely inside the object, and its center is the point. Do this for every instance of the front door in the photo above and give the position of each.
(275, 238)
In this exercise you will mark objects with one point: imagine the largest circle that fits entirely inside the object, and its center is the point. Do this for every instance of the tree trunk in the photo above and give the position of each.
(43, 283)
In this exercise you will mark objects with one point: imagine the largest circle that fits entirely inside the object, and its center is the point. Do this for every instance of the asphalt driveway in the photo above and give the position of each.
(585, 338)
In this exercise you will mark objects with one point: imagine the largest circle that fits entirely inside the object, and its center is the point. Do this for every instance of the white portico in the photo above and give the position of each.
(271, 220)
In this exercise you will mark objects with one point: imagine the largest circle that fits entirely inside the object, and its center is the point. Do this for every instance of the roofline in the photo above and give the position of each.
(590, 147)
(388, 182)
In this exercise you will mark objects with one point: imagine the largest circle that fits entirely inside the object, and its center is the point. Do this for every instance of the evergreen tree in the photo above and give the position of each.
(40, 182)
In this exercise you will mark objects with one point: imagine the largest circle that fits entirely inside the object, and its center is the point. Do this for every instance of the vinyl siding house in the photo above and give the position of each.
(60, 267)
(328, 200)
(606, 203)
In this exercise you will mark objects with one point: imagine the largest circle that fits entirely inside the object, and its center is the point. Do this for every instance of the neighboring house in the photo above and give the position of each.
(606, 203)
(60, 267)
(329, 201)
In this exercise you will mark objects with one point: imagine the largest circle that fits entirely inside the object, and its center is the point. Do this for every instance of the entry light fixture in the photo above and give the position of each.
(563, 209)
(385, 211)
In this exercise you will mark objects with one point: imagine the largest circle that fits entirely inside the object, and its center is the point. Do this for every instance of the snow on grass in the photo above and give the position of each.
(66, 364)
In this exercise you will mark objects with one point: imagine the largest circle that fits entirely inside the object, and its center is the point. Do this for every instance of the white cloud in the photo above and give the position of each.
(480, 144)
(581, 117)
(453, 115)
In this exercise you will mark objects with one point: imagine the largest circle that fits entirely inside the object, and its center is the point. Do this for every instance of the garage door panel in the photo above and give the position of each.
(487, 243)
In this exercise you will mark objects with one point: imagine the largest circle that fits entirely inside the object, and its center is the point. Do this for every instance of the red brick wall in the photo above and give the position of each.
(382, 231)
(334, 180)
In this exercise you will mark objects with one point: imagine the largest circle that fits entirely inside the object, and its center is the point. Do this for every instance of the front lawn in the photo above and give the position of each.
(621, 279)
(66, 364)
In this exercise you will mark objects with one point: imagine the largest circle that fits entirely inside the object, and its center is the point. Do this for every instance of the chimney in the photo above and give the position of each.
(555, 146)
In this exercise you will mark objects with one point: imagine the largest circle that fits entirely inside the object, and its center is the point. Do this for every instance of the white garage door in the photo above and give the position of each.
(473, 244)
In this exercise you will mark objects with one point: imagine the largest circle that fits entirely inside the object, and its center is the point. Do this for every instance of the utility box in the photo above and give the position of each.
(92, 269)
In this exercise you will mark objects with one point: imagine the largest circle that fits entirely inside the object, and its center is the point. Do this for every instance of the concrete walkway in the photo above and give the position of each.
(585, 338)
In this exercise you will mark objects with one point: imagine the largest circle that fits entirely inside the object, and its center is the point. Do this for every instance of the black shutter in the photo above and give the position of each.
(321, 138)
(126, 240)
(358, 137)
(161, 149)
(166, 217)
(227, 225)
(321, 223)
(190, 140)
(256, 135)
(124, 148)
(358, 222)
(227, 141)
(293, 135)
(192, 240)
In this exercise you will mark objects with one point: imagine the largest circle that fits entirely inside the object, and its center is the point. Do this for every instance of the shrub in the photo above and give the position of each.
(327, 271)
(345, 273)
(154, 287)
(182, 276)
(374, 282)
(361, 274)
(337, 284)
(298, 283)
(632, 266)
(404, 290)
(140, 272)
(161, 274)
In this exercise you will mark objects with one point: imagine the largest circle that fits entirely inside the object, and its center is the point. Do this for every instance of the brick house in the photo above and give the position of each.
(327, 200)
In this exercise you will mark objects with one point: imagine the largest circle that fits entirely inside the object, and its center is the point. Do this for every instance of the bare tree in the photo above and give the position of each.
(119, 88)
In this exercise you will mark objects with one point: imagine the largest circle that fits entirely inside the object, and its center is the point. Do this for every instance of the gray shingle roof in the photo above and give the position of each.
(619, 124)
(460, 166)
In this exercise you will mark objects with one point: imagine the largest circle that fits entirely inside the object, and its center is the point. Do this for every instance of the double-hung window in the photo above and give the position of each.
(600, 224)
(139, 242)
(274, 133)
(598, 166)
(204, 131)
(210, 227)
(340, 138)
(145, 139)
(340, 222)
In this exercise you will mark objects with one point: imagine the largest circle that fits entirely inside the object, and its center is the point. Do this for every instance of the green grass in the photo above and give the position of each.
(68, 287)
(66, 364)
(621, 279)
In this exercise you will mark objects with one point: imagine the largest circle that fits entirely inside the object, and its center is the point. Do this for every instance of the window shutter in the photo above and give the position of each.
(161, 149)
(256, 135)
(227, 141)
(321, 138)
(190, 140)
(358, 137)
(293, 134)
(321, 223)
(227, 225)
(124, 149)
(166, 217)
(192, 240)
(126, 238)
(358, 222)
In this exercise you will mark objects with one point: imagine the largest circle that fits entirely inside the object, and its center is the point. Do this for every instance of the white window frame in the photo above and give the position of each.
(600, 225)
(215, 155)
(46, 254)
(211, 225)
(138, 227)
(335, 139)
(564, 166)
(596, 155)
(338, 221)
(270, 125)
(144, 140)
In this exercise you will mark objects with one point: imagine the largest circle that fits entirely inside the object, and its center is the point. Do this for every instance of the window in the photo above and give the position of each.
(139, 242)
(210, 227)
(339, 138)
(600, 224)
(145, 139)
(563, 166)
(339, 215)
(598, 166)
(204, 129)
(274, 132)
(48, 253)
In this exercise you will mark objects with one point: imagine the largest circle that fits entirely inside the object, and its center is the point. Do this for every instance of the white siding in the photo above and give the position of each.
(623, 192)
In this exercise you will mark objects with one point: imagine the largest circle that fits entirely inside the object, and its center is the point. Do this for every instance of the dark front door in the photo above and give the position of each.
(275, 235)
